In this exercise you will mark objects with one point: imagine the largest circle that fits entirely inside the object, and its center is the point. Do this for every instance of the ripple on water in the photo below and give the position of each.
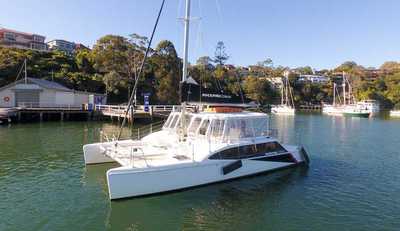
(352, 184)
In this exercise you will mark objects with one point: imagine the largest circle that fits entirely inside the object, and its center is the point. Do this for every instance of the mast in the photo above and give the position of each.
(286, 87)
(26, 75)
(283, 86)
(334, 94)
(286, 91)
(344, 89)
(186, 20)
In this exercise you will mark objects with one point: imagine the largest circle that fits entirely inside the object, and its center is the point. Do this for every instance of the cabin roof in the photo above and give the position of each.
(244, 114)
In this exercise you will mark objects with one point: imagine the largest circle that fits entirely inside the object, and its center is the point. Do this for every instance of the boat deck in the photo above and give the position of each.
(135, 157)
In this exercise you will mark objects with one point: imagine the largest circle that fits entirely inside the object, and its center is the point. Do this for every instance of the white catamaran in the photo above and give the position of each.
(197, 145)
(287, 105)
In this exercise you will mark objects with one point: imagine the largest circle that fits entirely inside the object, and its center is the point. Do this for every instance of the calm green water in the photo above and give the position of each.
(353, 183)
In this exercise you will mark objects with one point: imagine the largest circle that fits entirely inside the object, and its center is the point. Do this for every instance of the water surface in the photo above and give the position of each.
(353, 183)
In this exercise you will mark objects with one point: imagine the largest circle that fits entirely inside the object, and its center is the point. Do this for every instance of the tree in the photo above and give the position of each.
(166, 67)
(307, 70)
(135, 54)
(259, 90)
(111, 60)
(266, 63)
(205, 61)
(220, 56)
(390, 66)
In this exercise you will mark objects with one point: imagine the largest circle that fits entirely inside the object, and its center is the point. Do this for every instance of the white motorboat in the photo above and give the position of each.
(372, 106)
(395, 113)
(287, 105)
(217, 147)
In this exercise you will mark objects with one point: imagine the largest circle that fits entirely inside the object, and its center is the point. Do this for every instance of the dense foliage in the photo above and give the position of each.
(112, 67)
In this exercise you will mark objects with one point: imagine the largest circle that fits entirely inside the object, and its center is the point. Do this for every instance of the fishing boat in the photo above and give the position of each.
(199, 144)
(287, 105)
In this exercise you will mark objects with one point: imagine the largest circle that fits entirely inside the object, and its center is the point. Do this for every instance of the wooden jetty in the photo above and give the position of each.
(29, 112)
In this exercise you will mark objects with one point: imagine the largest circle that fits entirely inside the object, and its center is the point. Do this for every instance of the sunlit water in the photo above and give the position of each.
(353, 183)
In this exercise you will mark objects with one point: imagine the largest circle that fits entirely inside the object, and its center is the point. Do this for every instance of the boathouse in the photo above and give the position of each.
(40, 93)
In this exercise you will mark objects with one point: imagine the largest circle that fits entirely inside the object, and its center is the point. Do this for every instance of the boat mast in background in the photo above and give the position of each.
(344, 88)
(26, 74)
(334, 94)
(186, 21)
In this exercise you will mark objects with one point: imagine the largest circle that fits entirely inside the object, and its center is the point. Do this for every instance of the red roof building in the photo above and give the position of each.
(12, 38)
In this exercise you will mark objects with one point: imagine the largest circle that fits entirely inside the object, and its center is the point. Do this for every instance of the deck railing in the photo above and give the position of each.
(135, 133)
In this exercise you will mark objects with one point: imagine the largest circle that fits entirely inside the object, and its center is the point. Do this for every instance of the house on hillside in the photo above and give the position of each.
(32, 92)
(17, 39)
(319, 79)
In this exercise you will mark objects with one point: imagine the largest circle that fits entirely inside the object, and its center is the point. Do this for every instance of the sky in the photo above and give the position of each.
(318, 33)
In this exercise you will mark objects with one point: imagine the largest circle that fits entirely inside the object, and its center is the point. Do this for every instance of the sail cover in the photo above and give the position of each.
(194, 93)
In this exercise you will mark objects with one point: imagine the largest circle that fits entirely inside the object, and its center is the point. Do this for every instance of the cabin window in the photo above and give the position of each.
(246, 128)
(204, 126)
(194, 125)
(217, 128)
(232, 130)
(230, 153)
(237, 128)
(174, 121)
(248, 151)
(260, 126)
(188, 118)
(270, 147)
(166, 125)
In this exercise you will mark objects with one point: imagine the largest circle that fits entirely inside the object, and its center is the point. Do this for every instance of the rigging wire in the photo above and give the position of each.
(179, 8)
(219, 12)
(20, 71)
(140, 70)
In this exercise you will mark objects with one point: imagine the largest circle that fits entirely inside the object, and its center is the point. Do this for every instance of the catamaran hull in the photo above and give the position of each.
(127, 182)
(95, 153)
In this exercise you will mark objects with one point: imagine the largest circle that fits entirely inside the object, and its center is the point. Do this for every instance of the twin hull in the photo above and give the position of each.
(126, 181)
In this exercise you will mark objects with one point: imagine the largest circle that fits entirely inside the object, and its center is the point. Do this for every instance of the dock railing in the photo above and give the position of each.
(36, 105)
